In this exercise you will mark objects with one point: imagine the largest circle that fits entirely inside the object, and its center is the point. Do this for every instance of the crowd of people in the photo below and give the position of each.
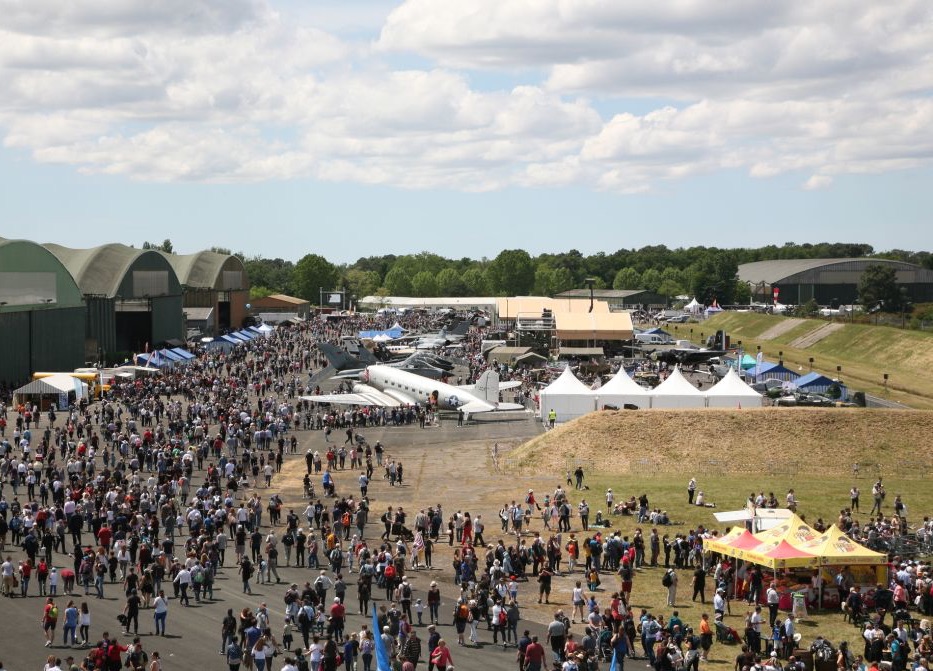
(173, 480)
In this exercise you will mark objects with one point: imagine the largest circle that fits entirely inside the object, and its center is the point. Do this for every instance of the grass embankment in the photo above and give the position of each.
(732, 453)
(865, 352)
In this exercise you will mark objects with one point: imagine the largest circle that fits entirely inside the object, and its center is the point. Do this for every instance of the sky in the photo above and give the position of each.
(347, 129)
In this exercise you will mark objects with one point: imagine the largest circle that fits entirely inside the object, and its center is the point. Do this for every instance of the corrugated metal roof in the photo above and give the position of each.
(204, 270)
(773, 272)
(99, 271)
(601, 293)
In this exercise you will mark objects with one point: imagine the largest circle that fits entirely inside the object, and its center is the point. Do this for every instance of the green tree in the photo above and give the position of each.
(474, 282)
(552, 281)
(512, 273)
(276, 274)
(651, 279)
(627, 278)
(450, 283)
(361, 282)
(424, 283)
(398, 282)
(312, 273)
(166, 246)
(259, 292)
(713, 277)
(878, 287)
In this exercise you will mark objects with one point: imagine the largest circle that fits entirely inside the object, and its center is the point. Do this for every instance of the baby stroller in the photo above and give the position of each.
(726, 634)
(603, 645)
(403, 532)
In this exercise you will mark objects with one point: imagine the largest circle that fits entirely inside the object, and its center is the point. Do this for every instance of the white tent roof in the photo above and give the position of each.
(693, 306)
(621, 383)
(566, 384)
(622, 390)
(731, 392)
(677, 392)
(567, 397)
(676, 385)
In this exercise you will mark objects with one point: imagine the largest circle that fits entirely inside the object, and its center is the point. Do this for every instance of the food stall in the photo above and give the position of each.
(802, 560)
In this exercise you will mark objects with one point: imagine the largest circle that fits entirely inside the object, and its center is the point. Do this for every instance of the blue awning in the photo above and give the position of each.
(246, 335)
(170, 355)
(184, 354)
(229, 338)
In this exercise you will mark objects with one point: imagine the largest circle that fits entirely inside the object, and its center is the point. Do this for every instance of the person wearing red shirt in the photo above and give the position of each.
(440, 657)
(534, 655)
(49, 620)
(114, 661)
(104, 535)
(337, 615)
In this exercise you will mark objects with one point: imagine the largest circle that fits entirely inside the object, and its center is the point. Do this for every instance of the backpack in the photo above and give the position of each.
(390, 571)
(303, 617)
(406, 592)
(53, 612)
(503, 617)
(667, 580)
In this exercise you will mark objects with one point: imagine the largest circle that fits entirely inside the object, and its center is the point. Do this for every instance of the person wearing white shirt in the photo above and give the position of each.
(160, 612)
(773, 599)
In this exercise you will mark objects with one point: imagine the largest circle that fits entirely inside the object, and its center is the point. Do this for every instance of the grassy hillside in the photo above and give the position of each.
(766, 441)
(865, 352)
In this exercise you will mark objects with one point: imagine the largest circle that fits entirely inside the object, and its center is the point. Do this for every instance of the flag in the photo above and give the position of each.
(758, 360)
(382, 655)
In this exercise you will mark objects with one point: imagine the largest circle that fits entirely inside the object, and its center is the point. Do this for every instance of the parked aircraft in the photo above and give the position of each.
(391, 387)
(685, 356)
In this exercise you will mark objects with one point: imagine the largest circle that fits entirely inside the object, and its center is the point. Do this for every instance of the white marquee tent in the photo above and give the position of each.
(622, 389)
(569, 397)
(732, 392)
(677, 392)
(693, 307)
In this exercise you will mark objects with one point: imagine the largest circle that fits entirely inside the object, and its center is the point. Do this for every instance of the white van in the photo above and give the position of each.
(651, 339)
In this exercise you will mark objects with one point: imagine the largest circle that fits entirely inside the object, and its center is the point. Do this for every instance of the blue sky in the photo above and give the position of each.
(286, 128)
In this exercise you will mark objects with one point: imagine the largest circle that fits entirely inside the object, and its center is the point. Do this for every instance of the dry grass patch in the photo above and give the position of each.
(766, 440)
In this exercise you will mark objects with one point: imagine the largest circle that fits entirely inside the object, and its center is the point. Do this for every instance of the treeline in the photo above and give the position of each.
(704, 272)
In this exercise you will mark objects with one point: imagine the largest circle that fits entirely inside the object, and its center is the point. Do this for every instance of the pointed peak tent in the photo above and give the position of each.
(677, 392)
(731, 392)
(622, 390)
(568, 397)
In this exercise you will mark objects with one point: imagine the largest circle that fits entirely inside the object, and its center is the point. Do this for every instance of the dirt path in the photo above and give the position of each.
(813, 337)
(447, 466)
(780, 328)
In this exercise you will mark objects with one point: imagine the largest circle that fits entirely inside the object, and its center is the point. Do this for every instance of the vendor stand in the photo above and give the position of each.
(801, 560)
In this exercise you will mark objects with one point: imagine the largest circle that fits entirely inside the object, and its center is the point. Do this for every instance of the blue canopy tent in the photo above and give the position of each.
(247, 335)
(819, 384)
(239, 337)
(392, 333)
(171, 356)
(770, 369)
(659, 331)
(230, 339)
(184, 354)
(153, 360)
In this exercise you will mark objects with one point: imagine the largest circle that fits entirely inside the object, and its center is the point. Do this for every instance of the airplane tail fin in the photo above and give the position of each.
(460, 329)
(487, 387)
(367, 358)
(337, 358)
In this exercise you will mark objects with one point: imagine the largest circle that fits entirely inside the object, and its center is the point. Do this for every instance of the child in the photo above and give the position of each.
(287, 633)
(419, 610)
(53, 581)
(592, 579)
(320, 620)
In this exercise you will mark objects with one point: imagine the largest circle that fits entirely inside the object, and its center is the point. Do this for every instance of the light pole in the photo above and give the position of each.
(590, 282)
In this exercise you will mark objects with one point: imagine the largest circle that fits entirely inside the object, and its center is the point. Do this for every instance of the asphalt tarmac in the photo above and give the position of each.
(193, 633)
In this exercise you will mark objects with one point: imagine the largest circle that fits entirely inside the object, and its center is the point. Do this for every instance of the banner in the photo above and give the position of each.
(382, 655)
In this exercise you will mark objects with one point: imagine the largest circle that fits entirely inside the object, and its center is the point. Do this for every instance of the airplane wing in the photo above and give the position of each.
(362, 395)
(474, 407)
(511, 384)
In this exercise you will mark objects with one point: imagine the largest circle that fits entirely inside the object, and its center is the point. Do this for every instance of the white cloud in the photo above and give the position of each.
(602, 93)
(817, 182)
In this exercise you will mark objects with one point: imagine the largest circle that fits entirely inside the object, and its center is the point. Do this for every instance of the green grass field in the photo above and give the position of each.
(819, 497)
(865, 352)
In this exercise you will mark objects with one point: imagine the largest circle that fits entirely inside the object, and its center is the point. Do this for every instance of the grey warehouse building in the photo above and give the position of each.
(828, 281)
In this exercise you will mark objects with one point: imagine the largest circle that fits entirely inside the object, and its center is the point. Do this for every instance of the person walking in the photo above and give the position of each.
(84, 623)
(159, 613)
(441, 657)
